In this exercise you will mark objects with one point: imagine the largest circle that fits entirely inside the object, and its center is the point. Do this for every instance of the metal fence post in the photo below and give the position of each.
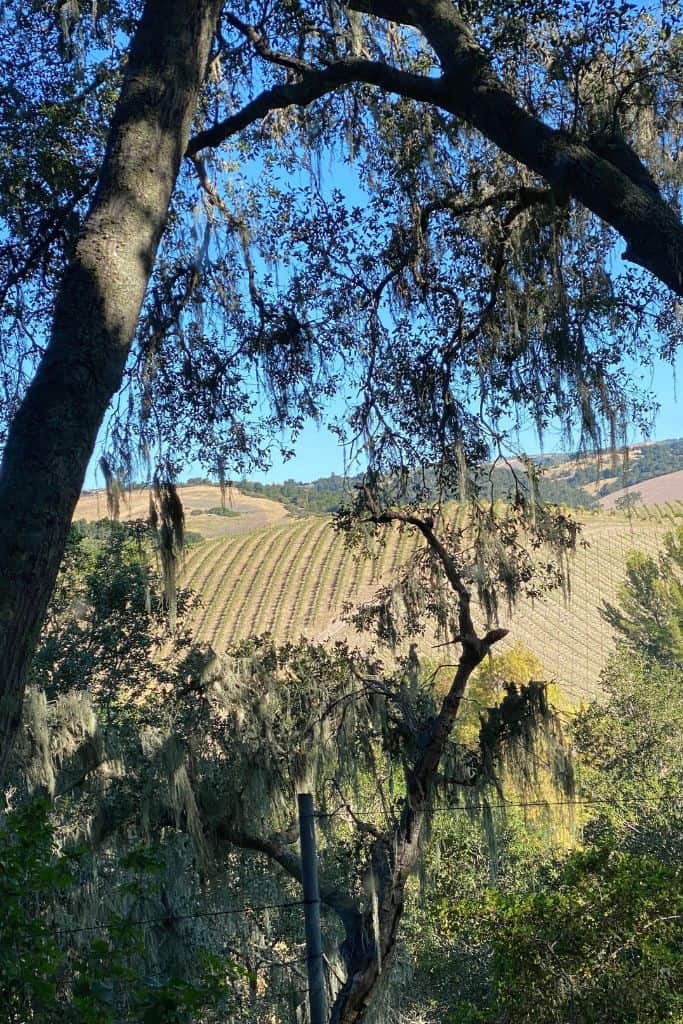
(309, 878)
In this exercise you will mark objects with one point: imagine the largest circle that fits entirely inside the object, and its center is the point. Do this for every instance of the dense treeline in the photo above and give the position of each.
(328, 495)
(565, 486)
(319, 497)
(648, 461)
(653, 460)
(560, 487)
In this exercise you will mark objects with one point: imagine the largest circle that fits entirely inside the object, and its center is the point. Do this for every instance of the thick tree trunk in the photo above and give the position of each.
(97, 309)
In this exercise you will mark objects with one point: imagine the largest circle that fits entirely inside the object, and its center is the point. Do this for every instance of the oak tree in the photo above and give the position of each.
(171, 234)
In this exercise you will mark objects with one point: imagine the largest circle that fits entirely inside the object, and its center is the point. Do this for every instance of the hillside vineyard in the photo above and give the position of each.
(293, 580)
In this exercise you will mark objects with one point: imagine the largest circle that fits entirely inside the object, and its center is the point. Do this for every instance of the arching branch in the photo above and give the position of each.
(313, 85)
(469, 89)
(273, 848)
(472, 91)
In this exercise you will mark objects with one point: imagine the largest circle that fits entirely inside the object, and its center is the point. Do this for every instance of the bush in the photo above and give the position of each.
(602, 944)
(217, 511)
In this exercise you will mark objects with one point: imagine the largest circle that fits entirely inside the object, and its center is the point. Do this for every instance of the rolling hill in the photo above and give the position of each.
(606, 473)
(258, 569)
(656, 491)
(577, 480)
(249, 512)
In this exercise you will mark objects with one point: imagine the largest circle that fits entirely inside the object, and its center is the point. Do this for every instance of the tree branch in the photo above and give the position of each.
(312, 85)
(52, 226)
(395, 856)
(96, 312)
(523, 198)
(426, 528)
(452, 202)
(343, 906)
(470, 89)
(260, 44)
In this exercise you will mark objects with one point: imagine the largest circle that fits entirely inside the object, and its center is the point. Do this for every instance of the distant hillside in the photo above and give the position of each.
(658, 491)
(203, 509)
(326, 495)
(261, 569)
(294, 578)
(607, 473)
(578, 482)
(574, 482)
(552, 487)
(319, 497)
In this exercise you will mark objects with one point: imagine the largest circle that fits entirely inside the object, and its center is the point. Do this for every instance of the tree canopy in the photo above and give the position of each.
(226, 215)
(494, 155)
(173, 772)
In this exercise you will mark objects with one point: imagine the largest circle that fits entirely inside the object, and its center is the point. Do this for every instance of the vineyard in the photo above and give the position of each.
(294, 578)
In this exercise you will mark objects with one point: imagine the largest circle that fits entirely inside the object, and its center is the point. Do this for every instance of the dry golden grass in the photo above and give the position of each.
(252, 513)
(656, 491)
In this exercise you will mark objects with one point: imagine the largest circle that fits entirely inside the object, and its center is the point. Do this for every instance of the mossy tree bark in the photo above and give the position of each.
(96, 311)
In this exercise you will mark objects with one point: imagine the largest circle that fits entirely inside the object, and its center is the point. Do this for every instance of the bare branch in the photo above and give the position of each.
(426, 528)
(523, 198)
